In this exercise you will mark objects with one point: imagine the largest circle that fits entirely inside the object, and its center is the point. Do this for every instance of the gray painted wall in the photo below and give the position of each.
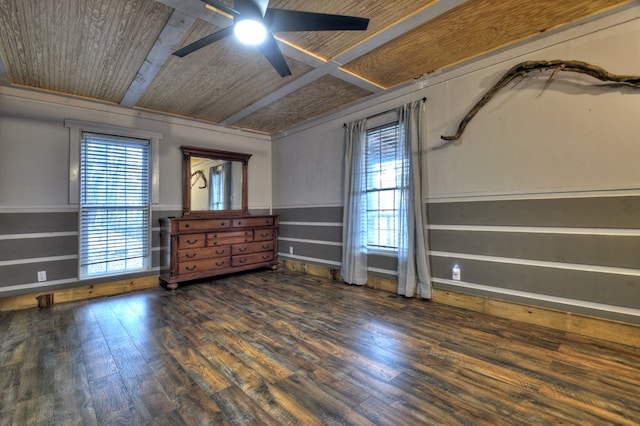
(539, 202)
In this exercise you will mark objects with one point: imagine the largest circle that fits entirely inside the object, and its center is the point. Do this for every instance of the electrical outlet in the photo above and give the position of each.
(42, 275)
(455, 273)
(290, 250)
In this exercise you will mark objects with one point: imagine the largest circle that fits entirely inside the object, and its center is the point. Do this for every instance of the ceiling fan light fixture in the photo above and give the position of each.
(250, 31)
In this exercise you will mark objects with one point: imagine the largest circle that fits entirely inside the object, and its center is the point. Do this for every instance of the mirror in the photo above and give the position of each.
(214, 182)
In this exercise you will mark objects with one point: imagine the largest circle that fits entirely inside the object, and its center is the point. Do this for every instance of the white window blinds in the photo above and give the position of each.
(114, 205)
(383, 175)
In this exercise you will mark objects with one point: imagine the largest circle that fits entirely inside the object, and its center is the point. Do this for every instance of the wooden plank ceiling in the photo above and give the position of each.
(119, 51)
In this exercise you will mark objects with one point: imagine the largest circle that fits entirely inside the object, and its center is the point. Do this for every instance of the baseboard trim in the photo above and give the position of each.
(597, 328)
(74, 294)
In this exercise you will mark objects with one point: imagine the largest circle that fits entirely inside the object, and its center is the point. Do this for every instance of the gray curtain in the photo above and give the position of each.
(354, 231)
(413, 266)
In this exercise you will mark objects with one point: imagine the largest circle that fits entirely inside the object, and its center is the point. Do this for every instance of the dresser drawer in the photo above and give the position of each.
(249, 259)
(252, 221)
(191, 241)
(226, 238)
(198, 266)
(263, 234)
(229, 234)
(203, 225)
(251, 248)
(203, 253)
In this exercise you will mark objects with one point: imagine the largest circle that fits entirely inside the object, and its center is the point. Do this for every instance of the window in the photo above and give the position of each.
(114, 204)
(220, 178)
(383, 183)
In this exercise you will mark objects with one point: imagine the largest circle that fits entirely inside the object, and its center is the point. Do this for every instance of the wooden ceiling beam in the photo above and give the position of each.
(299, 83)
(184, 15)
(333, 67)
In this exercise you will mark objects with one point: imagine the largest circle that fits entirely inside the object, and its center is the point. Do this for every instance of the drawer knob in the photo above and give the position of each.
(242, 260)
(192, 241)
(221, 223)
(220, 252)
(239, 222)
(191, 255)
(242, 249)
(265, 256)
(264, 235)
(265, 246)
(190, 268)
(219, 263)
(186, 225)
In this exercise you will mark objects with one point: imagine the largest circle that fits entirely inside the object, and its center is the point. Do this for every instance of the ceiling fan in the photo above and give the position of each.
(254, 23)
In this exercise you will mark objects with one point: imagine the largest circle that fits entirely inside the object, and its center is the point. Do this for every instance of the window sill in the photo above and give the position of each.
(383, 252)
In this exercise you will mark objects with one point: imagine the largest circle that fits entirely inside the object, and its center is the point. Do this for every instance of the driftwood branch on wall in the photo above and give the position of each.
(524, 68)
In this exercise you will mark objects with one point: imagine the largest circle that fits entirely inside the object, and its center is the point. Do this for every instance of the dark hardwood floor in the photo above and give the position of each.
(271, 348)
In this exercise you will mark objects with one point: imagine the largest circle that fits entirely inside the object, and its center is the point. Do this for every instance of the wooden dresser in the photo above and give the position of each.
(192, 248)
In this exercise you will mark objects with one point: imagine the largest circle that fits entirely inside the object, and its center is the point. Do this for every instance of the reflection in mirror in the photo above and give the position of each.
(216, 184)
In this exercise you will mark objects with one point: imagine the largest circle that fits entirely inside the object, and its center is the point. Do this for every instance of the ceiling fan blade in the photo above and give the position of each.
(222, 6)
(205, 41)
(278, 20)
(248, 9)
(271, 51)
(260, 5)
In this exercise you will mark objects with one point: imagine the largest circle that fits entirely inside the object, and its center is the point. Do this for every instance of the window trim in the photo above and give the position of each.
(76, 128)
(75, 135)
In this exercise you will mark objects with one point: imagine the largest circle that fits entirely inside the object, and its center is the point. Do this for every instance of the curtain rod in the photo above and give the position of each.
(383, 112)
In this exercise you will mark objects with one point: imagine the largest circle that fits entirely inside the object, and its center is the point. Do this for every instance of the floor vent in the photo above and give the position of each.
(45, 300)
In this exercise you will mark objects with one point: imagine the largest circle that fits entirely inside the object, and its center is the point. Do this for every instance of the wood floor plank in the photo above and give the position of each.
(239, 409)
(282, 406)
(197, 366)
(171, 376)
(197, 408)
(37, 368)
(72, 393)
(571, 378)
(271, 348)
(349, 393)
(487, 401)
(9, 382)
(98, 359)
(248, 350)
(128, 360)
(148, 397)
(13, 350)
(36, 411)
(112, 403)
(65, 332)
(328, 408)
(379, 412)
(86, 324)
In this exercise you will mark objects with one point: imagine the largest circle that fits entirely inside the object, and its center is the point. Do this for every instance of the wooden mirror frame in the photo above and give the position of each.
(190, 151)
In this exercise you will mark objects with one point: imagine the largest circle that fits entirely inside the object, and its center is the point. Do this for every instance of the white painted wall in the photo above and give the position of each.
(34, 149)
(533, 137)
